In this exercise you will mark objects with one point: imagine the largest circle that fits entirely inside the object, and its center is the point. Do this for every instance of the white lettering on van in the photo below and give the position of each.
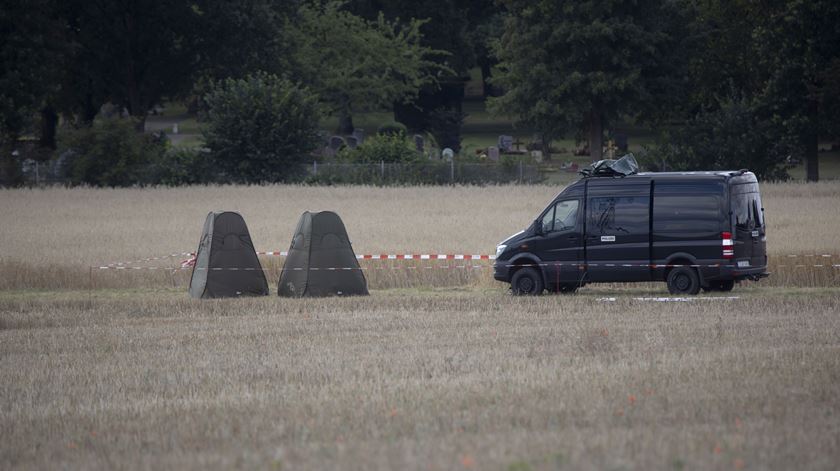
(607, 238)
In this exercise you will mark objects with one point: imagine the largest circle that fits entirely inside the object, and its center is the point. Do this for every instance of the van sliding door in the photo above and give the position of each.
(617, 231)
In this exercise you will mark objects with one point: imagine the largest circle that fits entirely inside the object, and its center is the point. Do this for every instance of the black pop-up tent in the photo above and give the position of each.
(226, 264)
(321, 261)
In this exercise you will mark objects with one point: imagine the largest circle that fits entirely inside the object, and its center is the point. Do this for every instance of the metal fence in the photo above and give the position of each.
(423, 172)
(416, 173)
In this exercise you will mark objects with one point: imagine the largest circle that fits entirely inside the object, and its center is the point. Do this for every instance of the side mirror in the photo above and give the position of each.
(538, 229)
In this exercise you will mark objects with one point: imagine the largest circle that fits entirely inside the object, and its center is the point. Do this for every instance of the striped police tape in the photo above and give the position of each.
(579, 266)
(398, 257)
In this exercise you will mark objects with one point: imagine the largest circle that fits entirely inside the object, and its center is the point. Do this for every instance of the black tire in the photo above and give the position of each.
(683, 280)
(526, 282)
(725, 285)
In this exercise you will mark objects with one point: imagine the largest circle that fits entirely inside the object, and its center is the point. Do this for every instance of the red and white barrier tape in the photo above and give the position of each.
(278, 253)
(445, 267)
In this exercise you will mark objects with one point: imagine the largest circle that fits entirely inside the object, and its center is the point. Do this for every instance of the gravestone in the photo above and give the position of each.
(505, 143)
(493, 153)
(419, 143)
(537, 155)
(448, 154)
(359, 134)
(352, 142)
(337, 142)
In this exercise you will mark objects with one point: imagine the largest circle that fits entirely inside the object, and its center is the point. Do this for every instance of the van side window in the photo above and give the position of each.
(618, 215)
(561, 217)
(686, 213)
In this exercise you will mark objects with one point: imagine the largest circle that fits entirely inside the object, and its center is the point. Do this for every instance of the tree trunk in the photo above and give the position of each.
(345, 123)
(486, 73)
(49, 121)
(812, 163)
(545, 146)
(596, 135)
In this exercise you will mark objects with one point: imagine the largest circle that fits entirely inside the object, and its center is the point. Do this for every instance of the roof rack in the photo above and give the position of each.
(622, 167)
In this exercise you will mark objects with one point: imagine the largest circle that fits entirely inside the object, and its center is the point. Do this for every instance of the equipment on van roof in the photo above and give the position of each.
(226, 264)
(321, 261)
(622, 167)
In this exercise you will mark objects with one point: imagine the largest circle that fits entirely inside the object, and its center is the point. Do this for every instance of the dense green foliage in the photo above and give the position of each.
(389, 148)
(706, 72)
(732, 137)
(359, 65)
(571, 66)
(258, 128)
(110, 153)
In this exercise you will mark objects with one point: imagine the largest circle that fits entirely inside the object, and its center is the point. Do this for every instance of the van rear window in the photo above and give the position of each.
(686, 213)
(746, 206)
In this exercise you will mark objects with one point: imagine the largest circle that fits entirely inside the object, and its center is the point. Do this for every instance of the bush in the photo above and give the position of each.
(392, 129)
(388, 148)
(183, 166)
(259, 128)
(730, 138)
(110, 153)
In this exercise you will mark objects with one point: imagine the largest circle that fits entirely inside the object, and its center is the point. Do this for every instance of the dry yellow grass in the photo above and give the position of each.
(437, 380)
(141, 377)
(51, 236)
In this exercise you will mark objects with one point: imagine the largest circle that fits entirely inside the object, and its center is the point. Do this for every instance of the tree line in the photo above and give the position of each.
(728, 83)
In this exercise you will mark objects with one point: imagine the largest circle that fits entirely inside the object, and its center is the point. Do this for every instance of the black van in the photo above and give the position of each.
(692, 230)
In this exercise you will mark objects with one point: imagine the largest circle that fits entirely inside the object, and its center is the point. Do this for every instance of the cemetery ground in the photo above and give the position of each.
(438, 369)
(481, 129)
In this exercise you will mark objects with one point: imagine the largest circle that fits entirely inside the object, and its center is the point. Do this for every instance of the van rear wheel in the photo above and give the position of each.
(526, 281)
(683, 280)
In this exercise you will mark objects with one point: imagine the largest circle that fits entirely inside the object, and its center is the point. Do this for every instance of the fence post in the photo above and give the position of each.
(382, 170)
(521, 175)
(452, 171)
(315, 168)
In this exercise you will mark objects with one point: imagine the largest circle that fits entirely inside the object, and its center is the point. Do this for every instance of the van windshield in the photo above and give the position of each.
(746, 206)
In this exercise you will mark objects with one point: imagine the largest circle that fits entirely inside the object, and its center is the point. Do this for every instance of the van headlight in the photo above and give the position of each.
(500, 249)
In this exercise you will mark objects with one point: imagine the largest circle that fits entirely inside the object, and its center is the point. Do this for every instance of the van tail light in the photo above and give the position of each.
(728, 244)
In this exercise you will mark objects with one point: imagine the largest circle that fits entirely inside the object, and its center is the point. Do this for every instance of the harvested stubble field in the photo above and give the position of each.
(135, 375)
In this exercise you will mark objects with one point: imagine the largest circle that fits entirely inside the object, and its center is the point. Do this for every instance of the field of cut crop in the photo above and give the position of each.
(440, 368)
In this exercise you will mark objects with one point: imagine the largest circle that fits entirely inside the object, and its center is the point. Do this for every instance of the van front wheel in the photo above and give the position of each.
(526, 281)
(683, 280)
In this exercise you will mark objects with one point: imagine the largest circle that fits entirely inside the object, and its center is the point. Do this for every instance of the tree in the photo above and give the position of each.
(574, 66)
(798, 42)
(30, 52)
(130, 52)
(110, 153)
(241, 37)
(731, 136)
(359, 65)
(260, 127)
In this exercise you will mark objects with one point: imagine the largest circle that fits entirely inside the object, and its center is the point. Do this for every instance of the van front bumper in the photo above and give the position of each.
(501, 271)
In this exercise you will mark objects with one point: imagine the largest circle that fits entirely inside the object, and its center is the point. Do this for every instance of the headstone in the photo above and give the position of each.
(493, 153)
(351, 142)
(537, 155)
(419, 142)
(175, 128)
(359, 134)
(328, 152)
(448, 154)
(337, 142)
(505, 143)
